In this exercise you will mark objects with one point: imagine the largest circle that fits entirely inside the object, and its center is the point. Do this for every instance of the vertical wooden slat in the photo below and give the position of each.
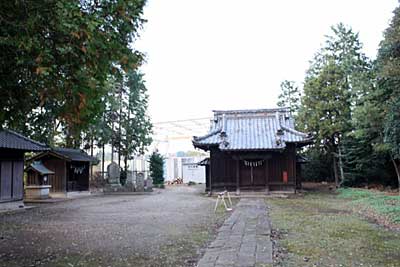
(0, 180)
(65, 175)
(17, 182)
(266, 175)
(210, 171)
(6, 176)
(237, 177)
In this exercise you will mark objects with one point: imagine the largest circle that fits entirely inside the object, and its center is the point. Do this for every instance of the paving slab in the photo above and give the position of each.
(244, 238)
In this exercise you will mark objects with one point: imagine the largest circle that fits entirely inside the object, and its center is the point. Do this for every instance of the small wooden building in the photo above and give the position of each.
(252, 150)
(71, 169)
(12, 149)
(37, 182)
(38, 174)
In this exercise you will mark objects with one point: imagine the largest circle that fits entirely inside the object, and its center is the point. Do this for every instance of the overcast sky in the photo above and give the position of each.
(230, 54)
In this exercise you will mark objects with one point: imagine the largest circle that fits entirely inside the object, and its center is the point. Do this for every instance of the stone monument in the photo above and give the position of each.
(129, 186)
(113, 174)
(139, 182)
(149, 184)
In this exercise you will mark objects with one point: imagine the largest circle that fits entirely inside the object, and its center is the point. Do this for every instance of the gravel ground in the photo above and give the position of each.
(170, 228)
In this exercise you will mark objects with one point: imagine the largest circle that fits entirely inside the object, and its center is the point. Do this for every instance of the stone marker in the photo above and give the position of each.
(129, 186)
(149, 184)
(129, 178)
(113, 174)
(139, 182)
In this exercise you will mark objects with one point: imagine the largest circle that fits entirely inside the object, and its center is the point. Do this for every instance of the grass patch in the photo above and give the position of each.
(374, 204)
(321, 230)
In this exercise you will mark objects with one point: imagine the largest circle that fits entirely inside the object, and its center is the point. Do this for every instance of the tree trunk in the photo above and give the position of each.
(91, 154)
(397, 169)
(340, 166)
(112, 141)
(126, 164)
(120, 127)
(102, 162)
(69, 139)
(335, 171)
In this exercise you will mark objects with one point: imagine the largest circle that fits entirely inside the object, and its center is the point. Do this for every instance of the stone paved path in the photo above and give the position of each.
(244, 239)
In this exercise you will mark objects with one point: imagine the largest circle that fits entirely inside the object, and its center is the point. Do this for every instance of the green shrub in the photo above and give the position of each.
(157, 168)
(318, 168)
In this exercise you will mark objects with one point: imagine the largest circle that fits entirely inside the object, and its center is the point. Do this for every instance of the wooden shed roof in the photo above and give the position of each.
(39, 167)
(75, 154)
(68, 154)
(13, 140)
(254, 129)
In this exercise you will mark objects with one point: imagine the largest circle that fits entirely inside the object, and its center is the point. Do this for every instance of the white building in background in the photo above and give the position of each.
(185, 168)
(193, 172)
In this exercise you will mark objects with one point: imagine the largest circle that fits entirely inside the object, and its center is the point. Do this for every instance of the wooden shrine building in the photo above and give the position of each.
(12, 150)
(252, 150)
(71, 169)
(37, 174)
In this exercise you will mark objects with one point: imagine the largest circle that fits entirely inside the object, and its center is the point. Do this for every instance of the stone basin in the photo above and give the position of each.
(37, 191)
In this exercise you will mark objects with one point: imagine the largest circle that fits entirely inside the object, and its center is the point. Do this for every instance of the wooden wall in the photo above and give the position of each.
(11, 175)
(58, 181)
(225, 166)
(207, 168)
(223, 169)
(32, 178)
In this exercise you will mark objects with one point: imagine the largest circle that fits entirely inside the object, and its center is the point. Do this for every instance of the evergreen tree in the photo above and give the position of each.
(157, 168)
(135, 123)
(392, 134)
(386, 100)
(336, 80)
(290, 96)
(56, 58)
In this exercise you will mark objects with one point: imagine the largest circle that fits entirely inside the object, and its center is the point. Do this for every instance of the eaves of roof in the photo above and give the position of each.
(12, 140)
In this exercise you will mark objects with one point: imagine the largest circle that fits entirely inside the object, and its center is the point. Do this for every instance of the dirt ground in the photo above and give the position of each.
(167, 229)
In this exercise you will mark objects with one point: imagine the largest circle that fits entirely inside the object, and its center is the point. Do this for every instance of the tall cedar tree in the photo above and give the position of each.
(386, 98)
(135, 123)
(56, 58)
(333, 85)
(290, 96)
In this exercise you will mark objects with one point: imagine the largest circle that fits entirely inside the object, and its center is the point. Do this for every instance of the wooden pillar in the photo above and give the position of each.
(64, 177)
(294, 162)
(210, 178)
(237, 177)
(266, 177)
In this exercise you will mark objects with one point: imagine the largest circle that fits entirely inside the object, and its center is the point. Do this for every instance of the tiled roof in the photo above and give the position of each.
(262, 129)
(40, 168)
(204, 162)
(12, 140)
(74, 154)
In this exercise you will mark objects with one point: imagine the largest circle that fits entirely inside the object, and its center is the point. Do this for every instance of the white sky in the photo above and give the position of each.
(230, 54)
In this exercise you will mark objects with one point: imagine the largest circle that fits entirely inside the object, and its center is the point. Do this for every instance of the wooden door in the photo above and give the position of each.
(252, 174)
(245, 175)
(259, 178)
(11, 180)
